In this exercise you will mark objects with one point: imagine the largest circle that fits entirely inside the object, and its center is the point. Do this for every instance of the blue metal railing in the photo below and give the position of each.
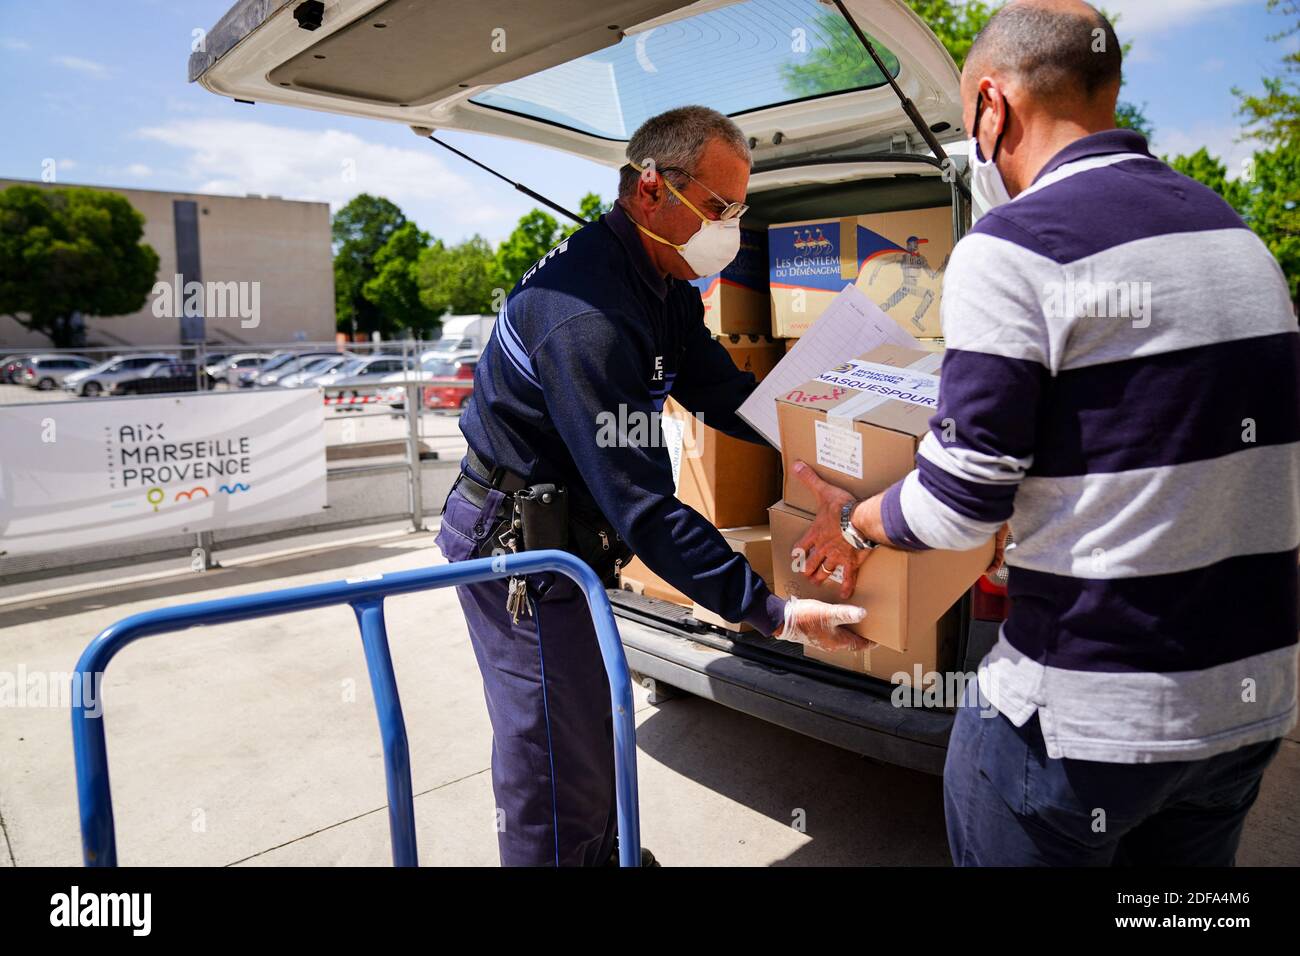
(98, 841)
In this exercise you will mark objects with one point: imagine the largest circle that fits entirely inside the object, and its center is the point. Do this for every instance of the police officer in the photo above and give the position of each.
(602, 330)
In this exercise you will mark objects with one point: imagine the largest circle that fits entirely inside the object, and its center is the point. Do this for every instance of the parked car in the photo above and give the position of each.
(158, 378)
(9, 367)
(432, 366)
(825, 143)
(287, 364)
(453, 382)
(308, 374)
(12, 368)
(100, 378)
(364, 370)
(227, 370)
(45, 372)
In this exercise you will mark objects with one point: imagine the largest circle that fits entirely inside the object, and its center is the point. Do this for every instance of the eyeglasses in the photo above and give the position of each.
(729, 210)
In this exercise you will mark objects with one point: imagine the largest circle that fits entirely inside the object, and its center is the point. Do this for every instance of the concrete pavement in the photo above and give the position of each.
(257, 744)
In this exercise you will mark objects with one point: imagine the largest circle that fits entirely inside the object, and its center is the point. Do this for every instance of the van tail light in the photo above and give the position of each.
(989, 601)
(465, 372)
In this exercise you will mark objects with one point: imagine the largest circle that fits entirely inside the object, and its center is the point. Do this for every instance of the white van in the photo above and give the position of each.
(829, 138)
(461, 333)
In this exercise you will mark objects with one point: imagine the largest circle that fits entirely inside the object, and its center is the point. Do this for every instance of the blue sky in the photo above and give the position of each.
(99, 87)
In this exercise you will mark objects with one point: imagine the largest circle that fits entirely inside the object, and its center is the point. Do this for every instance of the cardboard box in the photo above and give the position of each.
(905, 593)
(729, 481)
(756, 353)
(858, 424)
(755, 543)
(933, 653)
(896, 258)
(639, 579)
(737, 301)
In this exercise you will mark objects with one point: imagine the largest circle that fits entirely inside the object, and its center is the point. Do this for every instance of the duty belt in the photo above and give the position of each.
(476, 488)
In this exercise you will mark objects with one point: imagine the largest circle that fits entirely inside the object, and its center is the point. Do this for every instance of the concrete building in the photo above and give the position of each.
(276, 252)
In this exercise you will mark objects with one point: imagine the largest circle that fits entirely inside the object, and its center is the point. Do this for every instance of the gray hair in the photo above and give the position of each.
(1054, 49)
(678, 138)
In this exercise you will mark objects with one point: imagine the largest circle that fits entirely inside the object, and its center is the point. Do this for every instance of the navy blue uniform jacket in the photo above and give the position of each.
(593, 336)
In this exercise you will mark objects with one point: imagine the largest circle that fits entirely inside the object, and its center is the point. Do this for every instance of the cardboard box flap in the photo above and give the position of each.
(889, 387)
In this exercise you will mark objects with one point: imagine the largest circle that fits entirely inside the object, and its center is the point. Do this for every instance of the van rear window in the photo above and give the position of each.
(737, 59)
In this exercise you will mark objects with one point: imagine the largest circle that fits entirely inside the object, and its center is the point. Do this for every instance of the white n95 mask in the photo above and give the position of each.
(987, 188)
(712, 247)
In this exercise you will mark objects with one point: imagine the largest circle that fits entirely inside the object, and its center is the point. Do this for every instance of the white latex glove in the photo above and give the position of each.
(822, 625)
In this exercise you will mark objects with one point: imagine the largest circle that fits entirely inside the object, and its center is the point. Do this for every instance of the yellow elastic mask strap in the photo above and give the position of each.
(656, 238)
(664, 179)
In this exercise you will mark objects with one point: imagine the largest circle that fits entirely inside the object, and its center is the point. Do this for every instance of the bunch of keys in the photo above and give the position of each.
(517, 600)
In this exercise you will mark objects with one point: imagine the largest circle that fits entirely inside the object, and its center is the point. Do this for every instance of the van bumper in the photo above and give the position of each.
(758, 677)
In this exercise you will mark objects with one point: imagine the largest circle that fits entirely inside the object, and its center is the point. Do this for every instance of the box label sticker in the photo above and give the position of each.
(886, 382)
(840, 449)
(672, 432)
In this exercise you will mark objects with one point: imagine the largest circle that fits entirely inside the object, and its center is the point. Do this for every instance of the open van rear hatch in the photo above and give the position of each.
(580, 76)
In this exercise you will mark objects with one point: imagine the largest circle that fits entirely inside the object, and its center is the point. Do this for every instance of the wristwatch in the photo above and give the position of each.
(850, 533)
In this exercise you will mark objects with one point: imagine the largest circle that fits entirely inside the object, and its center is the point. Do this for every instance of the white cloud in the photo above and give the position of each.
(89, 67)
(1214, 65)
(13, 43)
(139, 171)
(238, 157)
(1220, 141)
(1142, 17)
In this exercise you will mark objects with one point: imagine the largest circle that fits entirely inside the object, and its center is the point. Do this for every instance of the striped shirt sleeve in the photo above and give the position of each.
(995, 371)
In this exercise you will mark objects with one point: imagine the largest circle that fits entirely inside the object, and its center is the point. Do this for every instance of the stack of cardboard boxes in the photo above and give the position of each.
(896, 258)
(729, 481)
(858, 425)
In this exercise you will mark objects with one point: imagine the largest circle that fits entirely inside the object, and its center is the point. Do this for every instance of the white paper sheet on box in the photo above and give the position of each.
(852, 325)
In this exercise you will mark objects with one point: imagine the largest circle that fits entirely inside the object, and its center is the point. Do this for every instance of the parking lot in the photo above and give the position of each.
(257, 743)
(439, 431)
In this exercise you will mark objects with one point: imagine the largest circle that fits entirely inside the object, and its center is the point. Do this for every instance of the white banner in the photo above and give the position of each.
(83, 472)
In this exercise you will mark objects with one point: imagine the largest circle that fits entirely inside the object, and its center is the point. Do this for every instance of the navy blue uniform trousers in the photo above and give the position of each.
(548, 700)
(1006, 803)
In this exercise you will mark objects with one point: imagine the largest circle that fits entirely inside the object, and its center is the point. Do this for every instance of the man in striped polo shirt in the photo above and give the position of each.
(1121, 385)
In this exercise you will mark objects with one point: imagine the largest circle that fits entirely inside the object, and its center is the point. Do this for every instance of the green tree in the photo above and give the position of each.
(536, 234)
(590, 207)
(459, 279)
(1134, 117)
(394, 289)
(956, 24)
(1209, 170)
(1272, 189)
(834, 60)
(1274, 117)
(68, 251)
(359, 231)
(1272, 180)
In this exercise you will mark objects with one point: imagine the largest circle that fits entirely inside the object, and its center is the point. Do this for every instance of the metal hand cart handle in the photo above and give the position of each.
(366, 596)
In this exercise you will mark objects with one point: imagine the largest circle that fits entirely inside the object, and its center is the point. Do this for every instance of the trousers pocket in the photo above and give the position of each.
(466, 527)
